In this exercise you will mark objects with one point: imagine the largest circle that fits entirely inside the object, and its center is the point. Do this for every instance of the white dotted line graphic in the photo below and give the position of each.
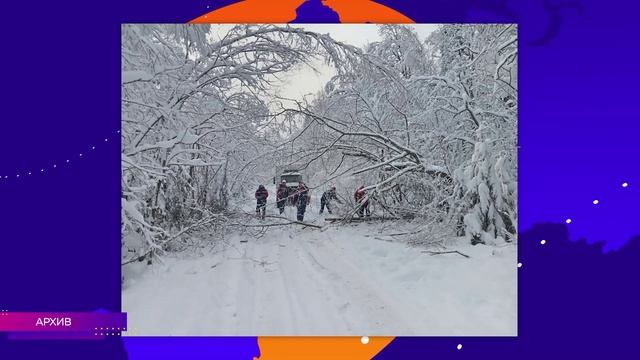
(29, 173)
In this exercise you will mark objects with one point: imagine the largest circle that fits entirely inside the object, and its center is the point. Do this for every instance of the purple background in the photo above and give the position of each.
(60, 229)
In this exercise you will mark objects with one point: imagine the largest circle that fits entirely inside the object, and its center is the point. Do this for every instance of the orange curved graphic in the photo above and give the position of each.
(320, 348)
(363, 11)
(252, 11)
(284, 11)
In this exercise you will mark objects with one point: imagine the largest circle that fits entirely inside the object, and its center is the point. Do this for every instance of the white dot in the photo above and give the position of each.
(459, 347)
(67, 161)
(93, 148)
(364, 340)
(29, 173)
(54, 165)
(519, 264)
(624, 184)
(568, 221)
(106, 139)
(80, 154)
(41, 170)
(542, 242)
(596, 202)
(18, 175)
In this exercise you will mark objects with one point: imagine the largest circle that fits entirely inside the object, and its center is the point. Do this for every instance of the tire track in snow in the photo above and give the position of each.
(372, 309)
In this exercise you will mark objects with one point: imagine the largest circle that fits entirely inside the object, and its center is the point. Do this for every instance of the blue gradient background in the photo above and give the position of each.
(60, 230)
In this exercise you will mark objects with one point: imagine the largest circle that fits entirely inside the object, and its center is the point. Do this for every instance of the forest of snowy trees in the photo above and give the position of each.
(428, 126)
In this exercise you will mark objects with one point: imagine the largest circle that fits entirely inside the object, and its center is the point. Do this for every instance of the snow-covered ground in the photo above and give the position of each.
(341, 280)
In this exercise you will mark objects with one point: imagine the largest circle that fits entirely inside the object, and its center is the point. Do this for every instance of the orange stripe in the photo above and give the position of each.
(320, 348)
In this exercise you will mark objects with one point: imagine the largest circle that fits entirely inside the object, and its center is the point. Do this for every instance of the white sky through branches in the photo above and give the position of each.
(307, 82)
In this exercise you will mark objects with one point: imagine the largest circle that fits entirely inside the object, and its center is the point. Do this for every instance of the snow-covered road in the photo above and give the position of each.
(343, 280)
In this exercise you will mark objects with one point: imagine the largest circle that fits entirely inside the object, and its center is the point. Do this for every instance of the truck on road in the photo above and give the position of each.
(293, 177)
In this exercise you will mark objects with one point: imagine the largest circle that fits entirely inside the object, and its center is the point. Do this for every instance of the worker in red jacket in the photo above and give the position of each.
(359, 196)
(282, 194)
